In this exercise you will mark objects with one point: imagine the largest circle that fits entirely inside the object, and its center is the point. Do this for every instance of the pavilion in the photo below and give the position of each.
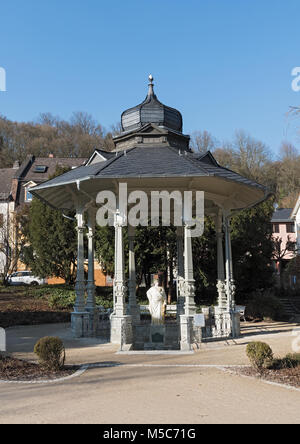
(152, 154)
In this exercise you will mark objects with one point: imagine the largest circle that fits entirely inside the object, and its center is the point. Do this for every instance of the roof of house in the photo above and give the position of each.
(282, 215)
(28, 172)
(51, 163)
(6, 176)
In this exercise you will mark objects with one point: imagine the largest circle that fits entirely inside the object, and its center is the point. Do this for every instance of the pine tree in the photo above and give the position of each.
(51, 241)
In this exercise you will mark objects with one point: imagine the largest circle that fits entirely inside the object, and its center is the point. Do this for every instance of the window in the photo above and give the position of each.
(276, 228)
(27, 186)
(40, 169)
(28, 195)
(290, 227)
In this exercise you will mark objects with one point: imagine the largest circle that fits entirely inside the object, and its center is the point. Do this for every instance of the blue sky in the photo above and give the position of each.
(226, 65)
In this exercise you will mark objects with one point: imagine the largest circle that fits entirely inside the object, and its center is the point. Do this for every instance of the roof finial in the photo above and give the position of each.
(150, 90)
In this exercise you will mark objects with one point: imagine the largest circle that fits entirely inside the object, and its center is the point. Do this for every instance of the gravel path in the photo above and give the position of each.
(151, 388)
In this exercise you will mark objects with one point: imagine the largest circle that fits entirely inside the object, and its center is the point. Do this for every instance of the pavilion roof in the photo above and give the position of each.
(153, 167)
(151, 161)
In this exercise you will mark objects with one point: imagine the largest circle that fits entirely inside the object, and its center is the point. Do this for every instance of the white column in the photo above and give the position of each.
(90, 303)
(119, 279)
(230, 285)
(80, 318)
(180, 273)
(222, 315)
(133, 308)
(189, 282)
(186, 319)
(221, 286)
(120, 323)
(80, 282)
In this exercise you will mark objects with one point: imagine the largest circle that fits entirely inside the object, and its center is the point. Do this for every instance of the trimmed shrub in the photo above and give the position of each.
(291, 360)
(264, 305)
(51, 352)
(260, 355)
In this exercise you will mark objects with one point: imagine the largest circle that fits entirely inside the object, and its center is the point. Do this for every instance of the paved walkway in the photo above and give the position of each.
(151, 388)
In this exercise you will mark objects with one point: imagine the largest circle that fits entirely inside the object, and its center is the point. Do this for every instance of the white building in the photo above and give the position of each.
(7, 207)
(296, 217)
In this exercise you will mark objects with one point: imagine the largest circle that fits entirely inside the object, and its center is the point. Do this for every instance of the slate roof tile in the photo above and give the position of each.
(6, 176)
(151, 161)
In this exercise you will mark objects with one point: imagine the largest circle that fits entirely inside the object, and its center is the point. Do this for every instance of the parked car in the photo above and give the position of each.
(24, 278)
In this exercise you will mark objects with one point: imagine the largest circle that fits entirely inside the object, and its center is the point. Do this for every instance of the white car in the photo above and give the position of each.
(24, 278)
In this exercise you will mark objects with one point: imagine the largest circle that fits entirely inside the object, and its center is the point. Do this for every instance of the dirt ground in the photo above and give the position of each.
(19, 306)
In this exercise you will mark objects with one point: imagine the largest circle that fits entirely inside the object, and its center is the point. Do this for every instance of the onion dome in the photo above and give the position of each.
(151, 110)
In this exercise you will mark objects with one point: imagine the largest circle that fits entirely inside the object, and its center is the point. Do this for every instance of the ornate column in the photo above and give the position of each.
(222, 317)
(186, 320)
(90, 302)
(221, 285)
(121, 325)
(80, 316)
(230, 285)
(180, 273)
(189, 282)
(230, 288)
(119, 279)
(133, 308)
(80, 281)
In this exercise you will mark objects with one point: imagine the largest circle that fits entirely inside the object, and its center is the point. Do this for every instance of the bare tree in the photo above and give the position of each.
(203, 141)
(251, 155)
(11, 245)
(280, 251)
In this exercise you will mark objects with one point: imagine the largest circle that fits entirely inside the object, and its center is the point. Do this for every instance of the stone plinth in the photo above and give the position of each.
(236, 324)
(121, 330)
(186, 332)
(80, 324)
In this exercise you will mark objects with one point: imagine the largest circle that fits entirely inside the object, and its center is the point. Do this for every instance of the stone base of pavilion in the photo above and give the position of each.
(132, 333)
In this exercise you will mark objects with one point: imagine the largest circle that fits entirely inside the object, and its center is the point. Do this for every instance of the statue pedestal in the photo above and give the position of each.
(156, 338)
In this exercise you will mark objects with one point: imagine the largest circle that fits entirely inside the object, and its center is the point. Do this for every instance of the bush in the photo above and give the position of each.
(260, 355)
(264, 305)
(104, 297)
(62, 298)
(51, 352)
(291, 360)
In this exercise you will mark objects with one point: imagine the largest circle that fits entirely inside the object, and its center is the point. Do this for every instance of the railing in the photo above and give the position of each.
(171, 309)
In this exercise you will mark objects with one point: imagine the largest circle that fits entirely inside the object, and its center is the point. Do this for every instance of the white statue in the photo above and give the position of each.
(157, 303)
